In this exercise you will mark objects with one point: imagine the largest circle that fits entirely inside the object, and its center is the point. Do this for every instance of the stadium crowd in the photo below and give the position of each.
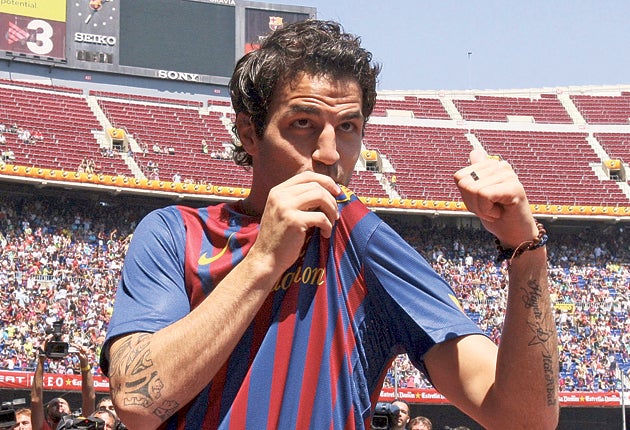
(61, 259)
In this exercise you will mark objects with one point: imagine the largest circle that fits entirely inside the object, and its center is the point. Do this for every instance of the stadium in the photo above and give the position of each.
(99, 125)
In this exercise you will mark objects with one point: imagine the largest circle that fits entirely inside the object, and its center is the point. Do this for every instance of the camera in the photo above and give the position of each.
(83, 423)
(7, 413)
(56, 349)
(385, 416)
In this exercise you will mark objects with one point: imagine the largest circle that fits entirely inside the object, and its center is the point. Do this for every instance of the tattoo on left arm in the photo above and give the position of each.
(143, 386)
(542, 328)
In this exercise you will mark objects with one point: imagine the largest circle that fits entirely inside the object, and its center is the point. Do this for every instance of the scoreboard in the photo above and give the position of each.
(186, 40)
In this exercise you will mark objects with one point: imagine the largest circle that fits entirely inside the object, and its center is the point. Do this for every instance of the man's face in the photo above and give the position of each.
(58, 408)
(403, 416)
(64, 407)
(23, 422)
(110, 422)
(108, 405)
(314, 124)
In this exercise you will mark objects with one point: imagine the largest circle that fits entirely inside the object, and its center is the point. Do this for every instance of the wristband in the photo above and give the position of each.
(511, 254)
(86, 368)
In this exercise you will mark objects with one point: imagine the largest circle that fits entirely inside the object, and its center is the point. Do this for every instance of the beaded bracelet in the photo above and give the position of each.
(512, 253)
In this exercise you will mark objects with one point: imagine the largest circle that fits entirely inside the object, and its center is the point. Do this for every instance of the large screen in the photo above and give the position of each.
(188, 40)
(183, 35)
(32, 28)
(259, 22)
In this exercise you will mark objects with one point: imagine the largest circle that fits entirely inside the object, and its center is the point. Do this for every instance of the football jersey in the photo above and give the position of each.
(316, 353)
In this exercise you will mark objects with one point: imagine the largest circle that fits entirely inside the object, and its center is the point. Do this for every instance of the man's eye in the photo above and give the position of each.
(347, 126)
(302, 123)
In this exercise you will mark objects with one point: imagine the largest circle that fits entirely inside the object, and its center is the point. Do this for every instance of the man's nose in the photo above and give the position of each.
(326, 150)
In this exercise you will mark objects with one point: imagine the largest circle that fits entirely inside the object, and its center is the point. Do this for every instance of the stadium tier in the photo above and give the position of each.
(68, 243)
(417, 141)
(69, 246)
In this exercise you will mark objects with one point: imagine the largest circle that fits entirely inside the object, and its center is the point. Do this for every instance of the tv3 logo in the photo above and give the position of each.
(37, 36)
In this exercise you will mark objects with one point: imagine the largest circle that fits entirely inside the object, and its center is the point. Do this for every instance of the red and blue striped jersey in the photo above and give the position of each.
(316, 353)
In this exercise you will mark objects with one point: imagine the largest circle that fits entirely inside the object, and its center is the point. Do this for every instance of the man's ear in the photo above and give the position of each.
(246, 132)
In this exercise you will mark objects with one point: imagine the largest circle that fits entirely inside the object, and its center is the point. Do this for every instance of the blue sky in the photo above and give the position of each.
(424, 45)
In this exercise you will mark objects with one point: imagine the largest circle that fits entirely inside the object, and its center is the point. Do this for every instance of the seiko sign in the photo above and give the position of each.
(95, 39)
(178, 76)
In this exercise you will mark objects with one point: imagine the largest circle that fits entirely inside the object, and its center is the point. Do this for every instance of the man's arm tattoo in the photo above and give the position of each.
(543, 333)
(143, 386)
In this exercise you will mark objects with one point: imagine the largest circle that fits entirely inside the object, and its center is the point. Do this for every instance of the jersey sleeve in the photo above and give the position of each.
(151, 293)
(420, 305)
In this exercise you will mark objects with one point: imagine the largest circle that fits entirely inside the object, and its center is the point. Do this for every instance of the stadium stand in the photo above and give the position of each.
(69, 247)
(419, 140)
(70, 250)
(545, 108)
(604, 109)
(563, 163)
(430, 108)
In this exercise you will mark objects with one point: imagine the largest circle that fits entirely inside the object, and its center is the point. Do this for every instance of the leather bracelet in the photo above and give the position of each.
(512, 253)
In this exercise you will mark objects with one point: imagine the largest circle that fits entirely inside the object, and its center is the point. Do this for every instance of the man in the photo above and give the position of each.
(108, 418)
(106, 404)
(23, 419)
(403, 414)
(420, 423)
(48, 416)
(284, 310)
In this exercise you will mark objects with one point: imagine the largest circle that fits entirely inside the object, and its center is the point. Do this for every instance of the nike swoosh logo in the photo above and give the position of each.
(454, 299)
(204, 259)
(347, 193)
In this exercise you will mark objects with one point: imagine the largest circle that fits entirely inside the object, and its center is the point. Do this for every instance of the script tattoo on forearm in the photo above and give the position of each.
(144, 386)
(542, 335)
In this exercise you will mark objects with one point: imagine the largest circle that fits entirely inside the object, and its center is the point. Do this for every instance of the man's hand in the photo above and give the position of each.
(305, 201)
(491, 190)
(83, 354)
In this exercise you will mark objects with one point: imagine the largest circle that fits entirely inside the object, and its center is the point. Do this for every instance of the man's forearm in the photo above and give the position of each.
(37, 396)
(152, 375)
(527, 366)
(88, 395)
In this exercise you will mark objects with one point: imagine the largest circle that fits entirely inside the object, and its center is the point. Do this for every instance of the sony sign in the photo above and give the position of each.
(95, 39)
(178, 76)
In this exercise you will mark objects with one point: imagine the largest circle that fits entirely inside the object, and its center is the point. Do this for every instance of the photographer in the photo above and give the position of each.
(403, 414)
(385, 416)
(48, 416)
(15, 418)
(106, 404)
(109, 419)
(23, 419)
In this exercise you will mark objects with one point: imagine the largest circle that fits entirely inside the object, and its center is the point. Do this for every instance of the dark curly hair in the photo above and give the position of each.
(318, 48)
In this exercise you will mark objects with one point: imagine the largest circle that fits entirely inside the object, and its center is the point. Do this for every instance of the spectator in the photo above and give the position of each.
(420, 423)
(23, 419)
(106, 404)
(110, 420)
(24, 135)
(49, 416)
(8, 155)
(598, 316)
(403, 414)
